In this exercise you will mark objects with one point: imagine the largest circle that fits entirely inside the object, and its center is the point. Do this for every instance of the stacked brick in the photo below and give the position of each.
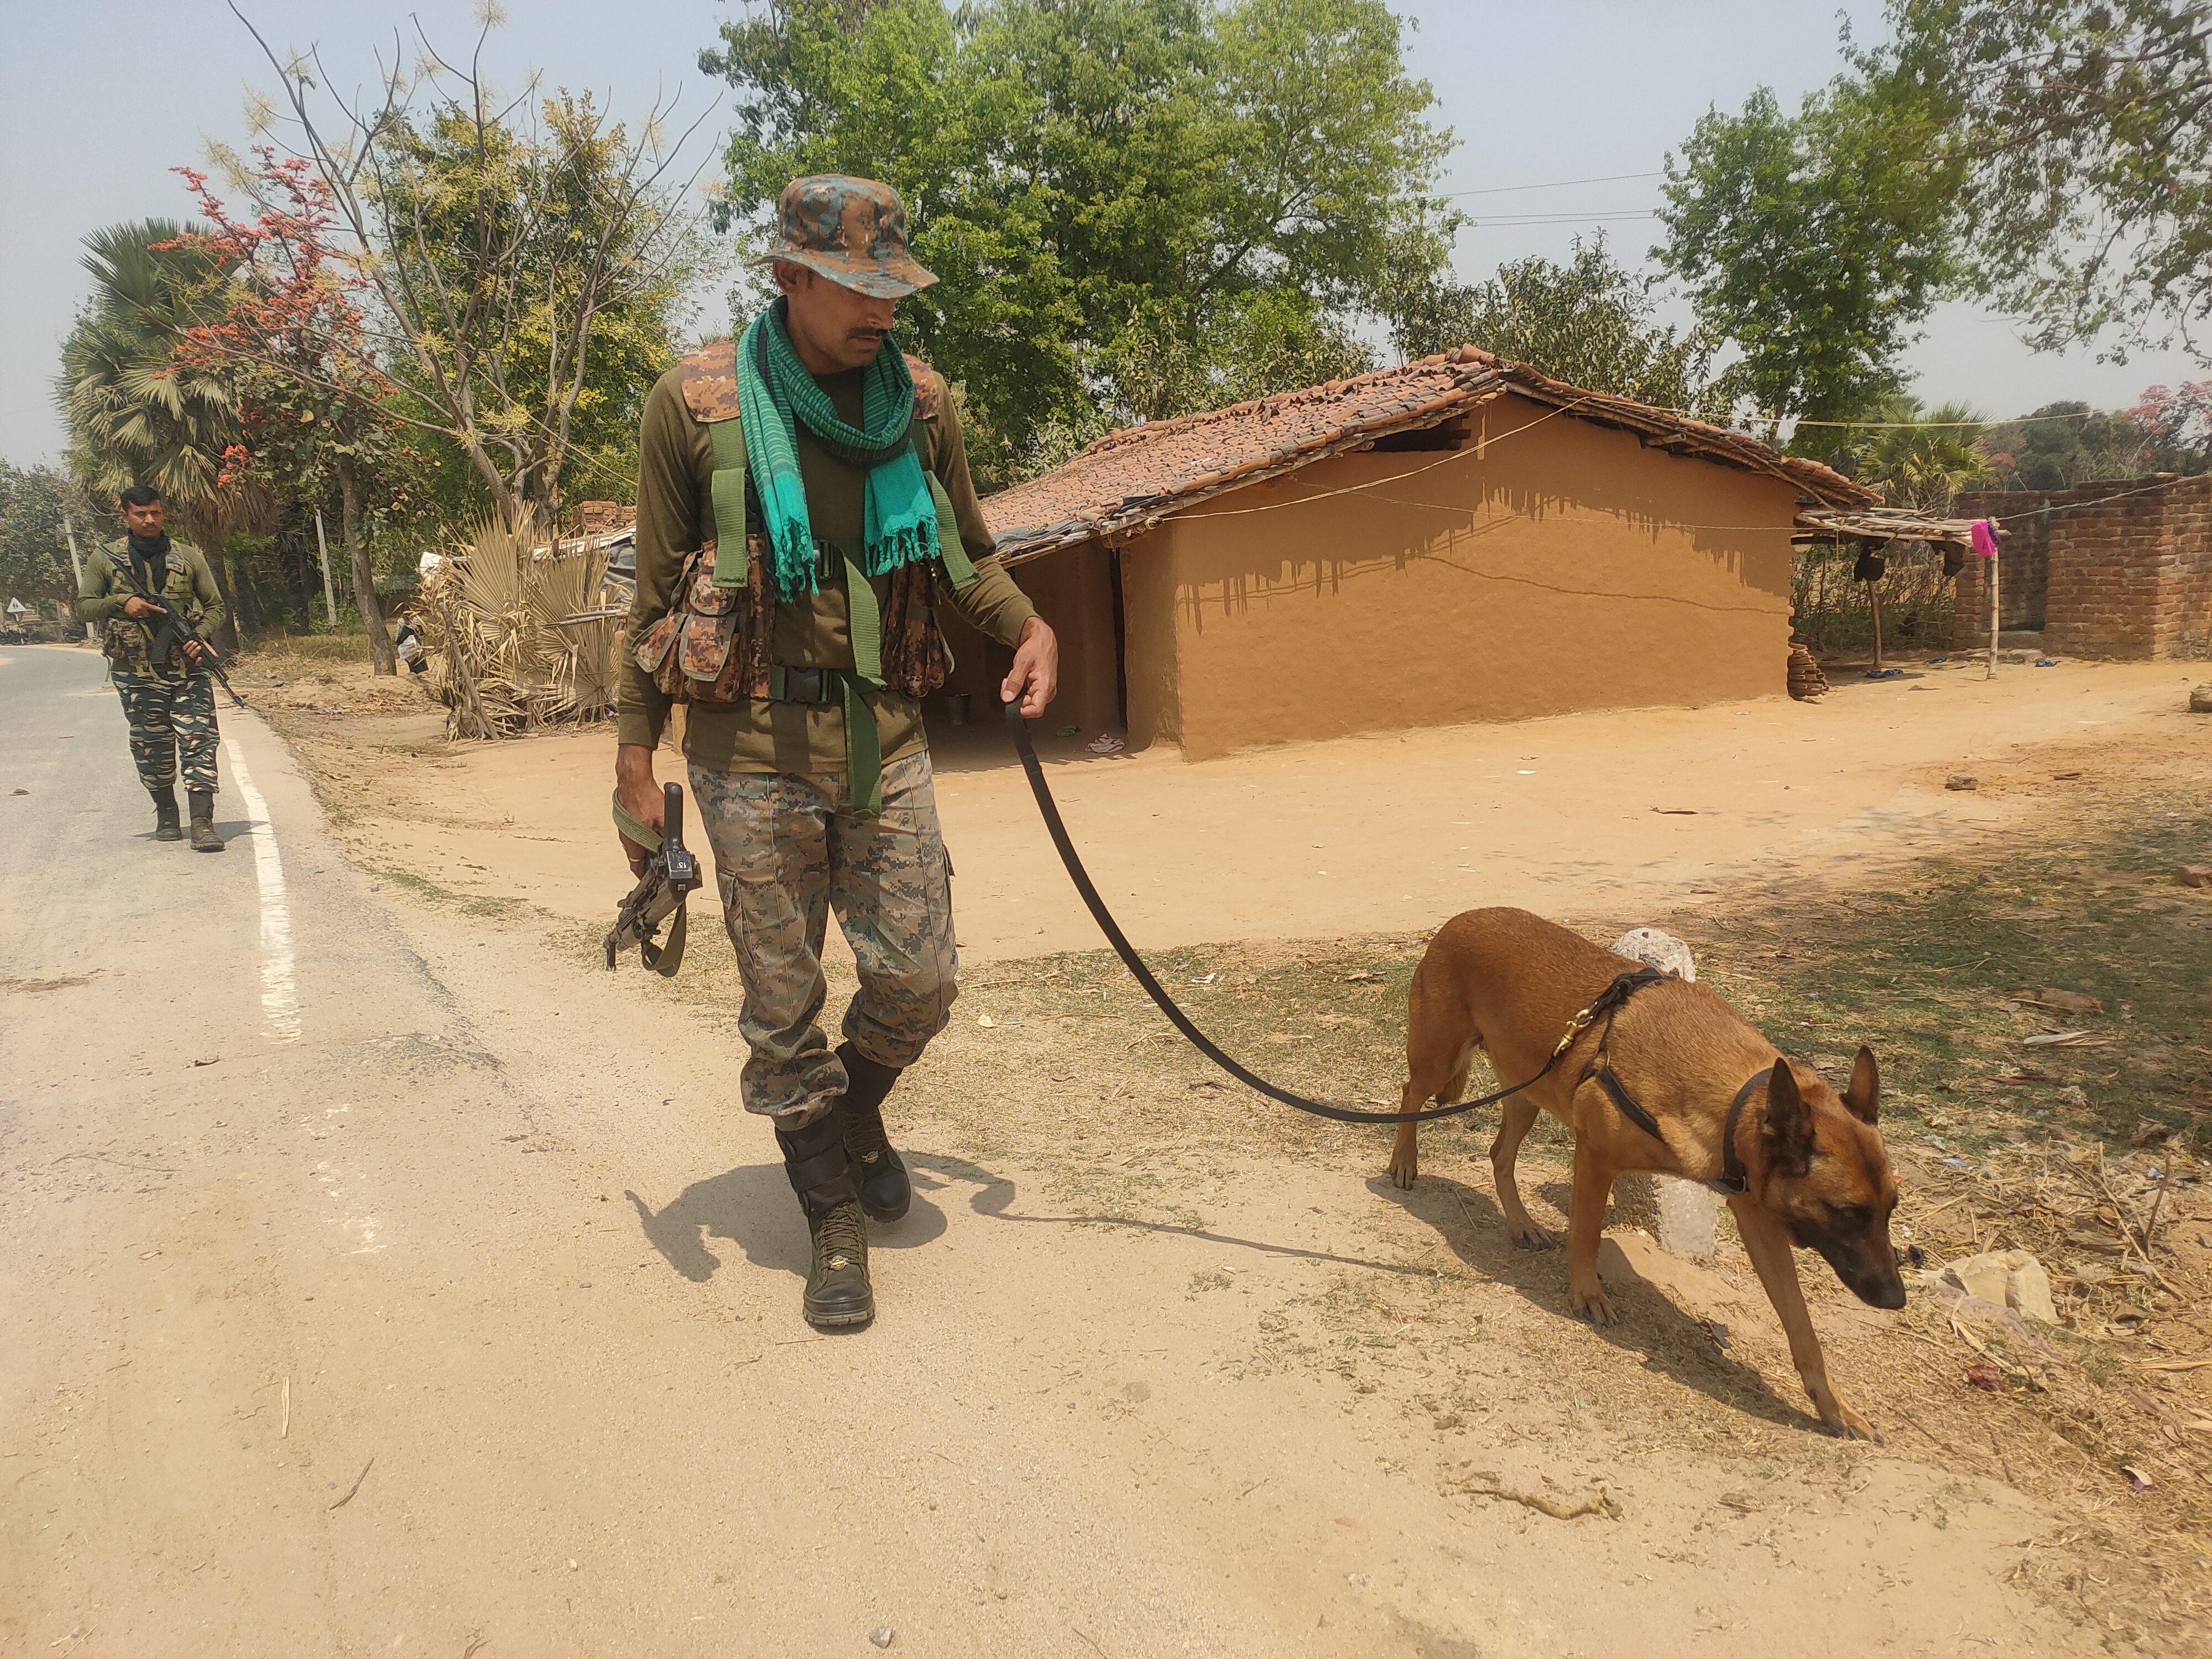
(2117, 568)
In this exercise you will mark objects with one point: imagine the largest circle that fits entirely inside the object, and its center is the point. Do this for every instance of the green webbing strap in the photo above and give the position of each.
(864, 751)
(863, 617)
(729, 490)
(644, 836)
(864, 748)
(959, 568)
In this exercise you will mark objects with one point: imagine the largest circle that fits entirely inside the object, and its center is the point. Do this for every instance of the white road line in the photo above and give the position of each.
(280, 997)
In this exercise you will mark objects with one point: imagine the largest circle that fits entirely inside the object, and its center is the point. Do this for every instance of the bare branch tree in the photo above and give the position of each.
(492, 241)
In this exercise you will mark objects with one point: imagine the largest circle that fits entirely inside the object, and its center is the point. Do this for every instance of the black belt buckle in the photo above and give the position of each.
(805, 685)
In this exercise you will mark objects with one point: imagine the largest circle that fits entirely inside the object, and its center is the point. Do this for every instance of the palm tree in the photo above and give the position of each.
(135, 414)
(1924, 456)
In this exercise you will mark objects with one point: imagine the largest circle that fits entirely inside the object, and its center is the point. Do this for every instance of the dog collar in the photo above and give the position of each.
(1733, 1180)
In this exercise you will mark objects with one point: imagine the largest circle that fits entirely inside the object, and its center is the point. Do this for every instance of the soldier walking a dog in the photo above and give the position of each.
(803, 509)
(168, 695)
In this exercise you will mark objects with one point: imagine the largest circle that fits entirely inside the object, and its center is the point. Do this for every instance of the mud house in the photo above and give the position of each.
(1458, 540)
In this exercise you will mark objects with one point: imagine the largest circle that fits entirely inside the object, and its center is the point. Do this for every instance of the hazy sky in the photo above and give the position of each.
(1537, 95)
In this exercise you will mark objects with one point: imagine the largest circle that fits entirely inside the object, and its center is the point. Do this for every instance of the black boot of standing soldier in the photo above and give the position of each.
(837, 1290)
(204, 839)
(168, 826)
(886, 1192)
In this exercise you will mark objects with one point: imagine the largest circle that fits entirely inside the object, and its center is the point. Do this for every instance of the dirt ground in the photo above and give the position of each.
(1164, 1369)
(1572, 816)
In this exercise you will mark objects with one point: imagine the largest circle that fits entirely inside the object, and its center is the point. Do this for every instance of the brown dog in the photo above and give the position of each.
(1810, 1162)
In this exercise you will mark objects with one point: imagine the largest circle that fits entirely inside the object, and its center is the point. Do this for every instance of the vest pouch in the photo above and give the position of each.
(711, 644)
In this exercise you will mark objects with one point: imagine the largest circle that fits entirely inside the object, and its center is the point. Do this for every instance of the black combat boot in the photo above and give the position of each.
(886, 1192)
(167, 825)
(204, 839)
(837, 1290)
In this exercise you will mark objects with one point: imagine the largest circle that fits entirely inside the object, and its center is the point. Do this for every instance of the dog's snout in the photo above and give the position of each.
(1891, 1294)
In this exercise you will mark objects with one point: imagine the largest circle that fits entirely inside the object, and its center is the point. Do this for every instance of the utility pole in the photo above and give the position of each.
(323, 546)
(76, 565)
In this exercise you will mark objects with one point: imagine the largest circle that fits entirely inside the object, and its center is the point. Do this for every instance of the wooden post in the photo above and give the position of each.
(1874, 597)
(323, 546)
(1994, 559)
(76, 565)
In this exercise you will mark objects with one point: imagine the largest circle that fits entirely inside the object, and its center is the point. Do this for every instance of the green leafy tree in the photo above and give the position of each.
(2080, 133)
(35, 504)
(1123, 197)
(2064, 444)
(1588, 321)
(1816, 244)
(139, 413)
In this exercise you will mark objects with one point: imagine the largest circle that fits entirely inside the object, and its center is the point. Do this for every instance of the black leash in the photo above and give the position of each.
(1607, 1003)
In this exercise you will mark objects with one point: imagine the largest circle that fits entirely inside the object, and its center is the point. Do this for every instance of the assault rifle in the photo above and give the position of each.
(175, 632)
(672, 874)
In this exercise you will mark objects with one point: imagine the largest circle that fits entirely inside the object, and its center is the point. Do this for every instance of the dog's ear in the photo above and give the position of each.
(1789, 1123)
(1864, 1098)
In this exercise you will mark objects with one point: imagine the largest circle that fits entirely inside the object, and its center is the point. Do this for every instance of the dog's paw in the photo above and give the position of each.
(1592, 1303)
(1529, 1235)
(1840, 1420)
(1848, 1425)
(1402, 1172)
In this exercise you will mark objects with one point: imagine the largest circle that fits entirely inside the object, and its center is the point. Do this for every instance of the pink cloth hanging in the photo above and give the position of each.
(1985, 539)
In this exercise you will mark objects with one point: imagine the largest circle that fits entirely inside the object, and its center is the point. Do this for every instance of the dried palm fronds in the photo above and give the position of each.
(524, 630)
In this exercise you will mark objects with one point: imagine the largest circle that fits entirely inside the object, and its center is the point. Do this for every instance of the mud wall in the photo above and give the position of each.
(1549, 565)
(1073, 592)
(2127, 565)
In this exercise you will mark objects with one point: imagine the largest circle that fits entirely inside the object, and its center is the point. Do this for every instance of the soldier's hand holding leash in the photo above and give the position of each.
(1035, 675)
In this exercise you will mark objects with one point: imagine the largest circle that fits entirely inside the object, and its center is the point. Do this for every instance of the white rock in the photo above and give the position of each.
(1656, 950)
(1688, 1215)
(2011, 1278)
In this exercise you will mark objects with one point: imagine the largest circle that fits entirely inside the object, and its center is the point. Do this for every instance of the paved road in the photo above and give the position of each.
(270, 1221)
(382, 1279)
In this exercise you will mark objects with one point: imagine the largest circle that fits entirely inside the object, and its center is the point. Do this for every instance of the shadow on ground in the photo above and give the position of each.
(752, 1207)
(1651, 1328)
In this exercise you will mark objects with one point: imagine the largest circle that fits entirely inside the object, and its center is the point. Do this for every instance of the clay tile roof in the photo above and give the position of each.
(1129, 479)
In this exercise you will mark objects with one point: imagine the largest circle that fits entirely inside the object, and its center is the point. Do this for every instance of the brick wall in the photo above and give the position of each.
(2117, 569)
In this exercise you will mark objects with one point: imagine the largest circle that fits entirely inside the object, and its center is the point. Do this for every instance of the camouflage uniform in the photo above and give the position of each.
(168, 707)
(788, 850)
(767, 773)
(770, 685)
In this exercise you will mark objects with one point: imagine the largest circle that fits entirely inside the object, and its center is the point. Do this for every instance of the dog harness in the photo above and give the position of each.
(1732, 1178)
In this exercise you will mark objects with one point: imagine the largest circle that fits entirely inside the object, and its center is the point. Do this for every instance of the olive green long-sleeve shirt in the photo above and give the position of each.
(676, 513)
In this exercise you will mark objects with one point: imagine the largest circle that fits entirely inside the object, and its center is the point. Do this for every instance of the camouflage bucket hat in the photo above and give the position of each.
(854, 232)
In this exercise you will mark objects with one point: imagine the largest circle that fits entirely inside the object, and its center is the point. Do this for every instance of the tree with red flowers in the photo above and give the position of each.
(293, 339)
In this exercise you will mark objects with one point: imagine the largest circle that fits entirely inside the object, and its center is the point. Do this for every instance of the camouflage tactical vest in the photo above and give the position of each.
(128, 643)
(713, 645)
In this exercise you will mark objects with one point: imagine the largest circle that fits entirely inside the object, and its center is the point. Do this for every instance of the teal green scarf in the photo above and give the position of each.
(775, 392)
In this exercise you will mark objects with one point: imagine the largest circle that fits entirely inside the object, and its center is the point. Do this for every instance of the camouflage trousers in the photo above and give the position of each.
(169, 719)
(788, 850)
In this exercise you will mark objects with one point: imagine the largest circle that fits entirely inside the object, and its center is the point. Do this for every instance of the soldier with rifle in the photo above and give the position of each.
(156, 594)
(805, 514)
